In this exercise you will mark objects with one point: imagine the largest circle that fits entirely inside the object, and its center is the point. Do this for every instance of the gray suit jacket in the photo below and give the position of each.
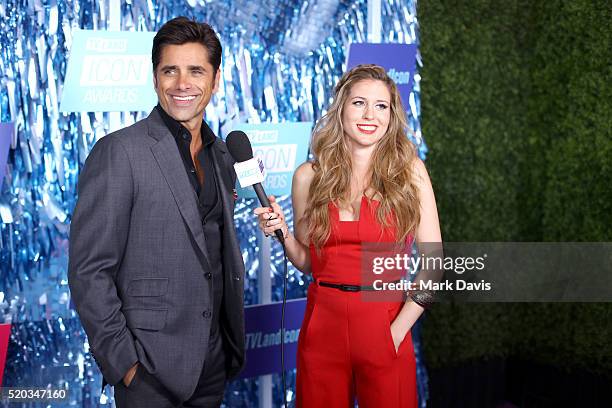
(137, 259)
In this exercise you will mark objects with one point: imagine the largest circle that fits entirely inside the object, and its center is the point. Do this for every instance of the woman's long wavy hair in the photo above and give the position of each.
(391, 169)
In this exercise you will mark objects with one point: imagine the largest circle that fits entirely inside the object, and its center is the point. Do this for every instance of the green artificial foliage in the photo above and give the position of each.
(517, 113)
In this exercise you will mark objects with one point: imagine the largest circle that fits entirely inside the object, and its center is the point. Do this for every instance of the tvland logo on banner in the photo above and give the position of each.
(109, 71)
(281, 147)
(399, 60)
(263, 336)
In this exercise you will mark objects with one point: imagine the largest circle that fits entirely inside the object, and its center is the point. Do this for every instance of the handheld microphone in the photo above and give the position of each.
(250, 171)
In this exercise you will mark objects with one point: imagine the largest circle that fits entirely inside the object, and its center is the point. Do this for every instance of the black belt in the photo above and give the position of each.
(349, 288)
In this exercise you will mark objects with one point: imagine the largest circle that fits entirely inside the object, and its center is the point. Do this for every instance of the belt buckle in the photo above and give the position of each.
(350, 288)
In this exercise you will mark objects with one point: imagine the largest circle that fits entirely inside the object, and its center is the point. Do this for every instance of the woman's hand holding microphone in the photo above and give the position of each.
(272, 219)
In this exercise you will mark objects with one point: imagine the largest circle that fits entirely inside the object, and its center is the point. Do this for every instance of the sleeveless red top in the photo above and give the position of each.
(340, 259)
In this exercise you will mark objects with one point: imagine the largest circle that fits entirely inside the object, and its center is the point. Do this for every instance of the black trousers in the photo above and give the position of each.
(146, 392)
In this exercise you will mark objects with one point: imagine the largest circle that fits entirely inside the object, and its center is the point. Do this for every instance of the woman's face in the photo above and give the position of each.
(366, 113)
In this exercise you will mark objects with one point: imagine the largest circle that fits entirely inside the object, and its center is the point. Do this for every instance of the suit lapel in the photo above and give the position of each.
(218, 151)
(171, 164)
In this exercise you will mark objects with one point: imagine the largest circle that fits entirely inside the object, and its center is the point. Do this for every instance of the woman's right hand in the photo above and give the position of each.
(272, 218)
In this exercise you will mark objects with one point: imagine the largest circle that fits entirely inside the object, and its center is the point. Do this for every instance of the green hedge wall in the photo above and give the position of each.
(517, 112)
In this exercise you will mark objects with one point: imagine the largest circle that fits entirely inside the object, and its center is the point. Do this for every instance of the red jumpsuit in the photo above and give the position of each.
(345, 348)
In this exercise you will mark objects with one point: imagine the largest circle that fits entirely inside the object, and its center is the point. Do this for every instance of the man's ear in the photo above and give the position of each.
(154, 79)
(217, 79)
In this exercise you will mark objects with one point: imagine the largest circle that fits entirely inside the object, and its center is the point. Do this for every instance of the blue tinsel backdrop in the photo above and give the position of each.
(281, 60)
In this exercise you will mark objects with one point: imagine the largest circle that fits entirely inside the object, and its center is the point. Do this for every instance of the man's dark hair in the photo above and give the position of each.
(181, 30)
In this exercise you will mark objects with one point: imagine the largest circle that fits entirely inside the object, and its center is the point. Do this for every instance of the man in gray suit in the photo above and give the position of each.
(155, 269)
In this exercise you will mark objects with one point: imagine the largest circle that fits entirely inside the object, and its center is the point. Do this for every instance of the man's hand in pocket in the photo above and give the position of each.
(129, 376)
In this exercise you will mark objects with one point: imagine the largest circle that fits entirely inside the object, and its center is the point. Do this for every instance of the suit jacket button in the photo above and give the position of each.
(207, 314)
(208, 275)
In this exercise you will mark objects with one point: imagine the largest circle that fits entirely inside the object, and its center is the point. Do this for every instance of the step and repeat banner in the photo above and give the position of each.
(109, 71)
(281, 147)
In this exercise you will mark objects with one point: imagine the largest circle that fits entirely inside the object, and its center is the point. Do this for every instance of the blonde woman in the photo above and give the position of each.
(365, 184)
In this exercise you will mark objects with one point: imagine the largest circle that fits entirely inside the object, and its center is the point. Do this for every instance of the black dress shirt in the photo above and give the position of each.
(183, 140)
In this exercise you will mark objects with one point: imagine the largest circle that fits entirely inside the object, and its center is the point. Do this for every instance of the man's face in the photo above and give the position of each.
(184, 82)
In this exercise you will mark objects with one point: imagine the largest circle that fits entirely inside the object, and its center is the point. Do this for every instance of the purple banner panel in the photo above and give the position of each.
(399, 60)
(263, 336)
(6, 134)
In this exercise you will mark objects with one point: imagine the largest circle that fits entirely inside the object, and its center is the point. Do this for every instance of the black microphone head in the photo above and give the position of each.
(239, 146)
